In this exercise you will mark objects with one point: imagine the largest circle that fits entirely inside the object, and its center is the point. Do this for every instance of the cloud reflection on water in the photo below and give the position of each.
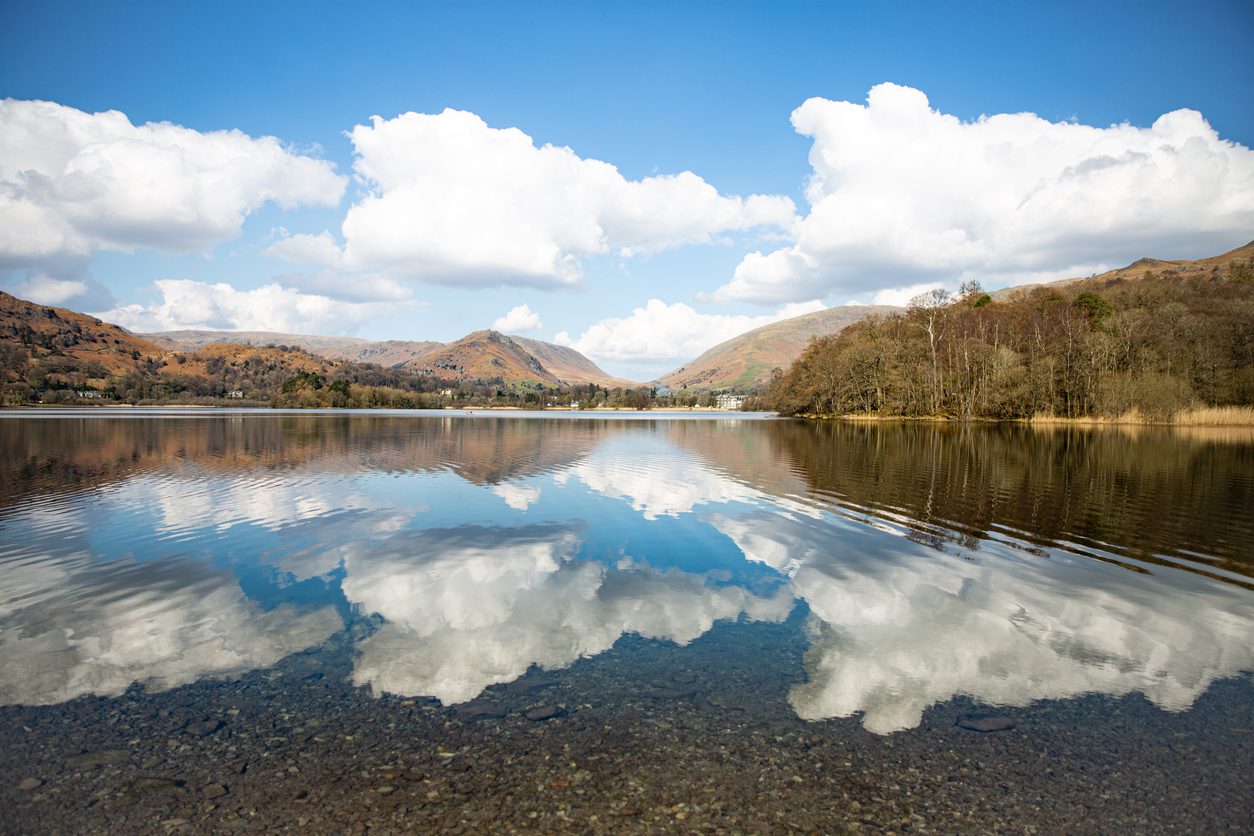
(897, 626)
(476, 579)
(471, 607)
(161, 625)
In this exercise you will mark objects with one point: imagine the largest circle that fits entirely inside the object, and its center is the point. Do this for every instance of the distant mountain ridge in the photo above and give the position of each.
(58, 355)
(480, 355)
(76, 350)
(1142, 267)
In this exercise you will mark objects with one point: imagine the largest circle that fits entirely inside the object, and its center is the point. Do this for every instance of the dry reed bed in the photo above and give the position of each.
(1201, 416)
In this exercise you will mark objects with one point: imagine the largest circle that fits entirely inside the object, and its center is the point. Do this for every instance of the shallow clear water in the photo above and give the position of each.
(621, 622)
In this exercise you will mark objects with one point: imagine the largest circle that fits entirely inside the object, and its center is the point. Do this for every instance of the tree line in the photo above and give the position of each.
(344, 388)
(1099, 347)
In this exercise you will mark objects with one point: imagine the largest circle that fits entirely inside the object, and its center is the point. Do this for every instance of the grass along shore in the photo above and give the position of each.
(1201, 416)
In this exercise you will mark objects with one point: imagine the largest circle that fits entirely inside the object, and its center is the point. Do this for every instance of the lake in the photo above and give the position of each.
(394, 621)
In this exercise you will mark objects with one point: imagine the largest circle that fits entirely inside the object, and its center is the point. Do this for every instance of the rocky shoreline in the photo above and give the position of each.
(649, 737)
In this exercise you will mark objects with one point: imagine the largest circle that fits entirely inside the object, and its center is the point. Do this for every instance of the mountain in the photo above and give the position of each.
(58, 337)
(482, 355)
(55, 355)
(1213, 266)
(569, 365)
(1154, 342)
(61, 352)
(391, 353)
(746, 361)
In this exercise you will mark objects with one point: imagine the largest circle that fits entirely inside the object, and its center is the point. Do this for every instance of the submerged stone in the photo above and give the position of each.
(150, 783)
(527, 686)
(214, 791)
(203, 729)
(986, 722)
(479, 711)
(102, 757)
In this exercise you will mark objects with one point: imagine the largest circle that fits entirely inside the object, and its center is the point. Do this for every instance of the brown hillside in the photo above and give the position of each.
(1143, 267)
(48, 352)
(207, 361)
(390, 353)
(46, 347)
(484, 355)
(55, 336)
(562, 364)
(745, 362)
(569, 365)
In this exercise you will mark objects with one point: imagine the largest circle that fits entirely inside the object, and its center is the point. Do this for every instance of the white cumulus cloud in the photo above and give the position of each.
(901, 296)
(454, 201)
(903, 194)
(518, 319)
(187, 304)
(45, 289)
(317, 249)
(361, 287)
(674, 332)
(73, 183)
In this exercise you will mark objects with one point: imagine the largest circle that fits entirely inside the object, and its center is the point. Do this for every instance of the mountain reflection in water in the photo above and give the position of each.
(1010, 564)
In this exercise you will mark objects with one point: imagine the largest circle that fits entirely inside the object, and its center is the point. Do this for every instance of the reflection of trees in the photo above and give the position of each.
(62, 453)
(1149, 492)
(738, 449)
(1153, 492)
(492, 450)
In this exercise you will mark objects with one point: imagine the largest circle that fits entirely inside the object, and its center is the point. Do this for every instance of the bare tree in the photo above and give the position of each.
(928, 310)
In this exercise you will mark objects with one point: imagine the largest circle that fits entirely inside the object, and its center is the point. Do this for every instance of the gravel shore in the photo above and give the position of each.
(649, 737)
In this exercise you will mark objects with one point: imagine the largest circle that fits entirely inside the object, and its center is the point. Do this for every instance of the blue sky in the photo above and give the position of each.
(912, 189)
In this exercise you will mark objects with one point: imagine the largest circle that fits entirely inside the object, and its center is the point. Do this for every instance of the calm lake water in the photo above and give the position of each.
(215, 620)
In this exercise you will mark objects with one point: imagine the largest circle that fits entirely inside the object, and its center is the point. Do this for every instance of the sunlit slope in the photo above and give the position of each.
(1142, 267)
(481, 355)
(568, 364)
(746, 361)
(58, 337)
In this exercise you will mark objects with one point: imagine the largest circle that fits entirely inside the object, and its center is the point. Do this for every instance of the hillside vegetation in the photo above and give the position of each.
(57, 356)
(1153, 341)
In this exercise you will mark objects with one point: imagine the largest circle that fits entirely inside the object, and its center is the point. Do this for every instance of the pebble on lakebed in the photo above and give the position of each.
(544, 712)
(986, 722)
(29, 784)
(204, 728)
(214, 791)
